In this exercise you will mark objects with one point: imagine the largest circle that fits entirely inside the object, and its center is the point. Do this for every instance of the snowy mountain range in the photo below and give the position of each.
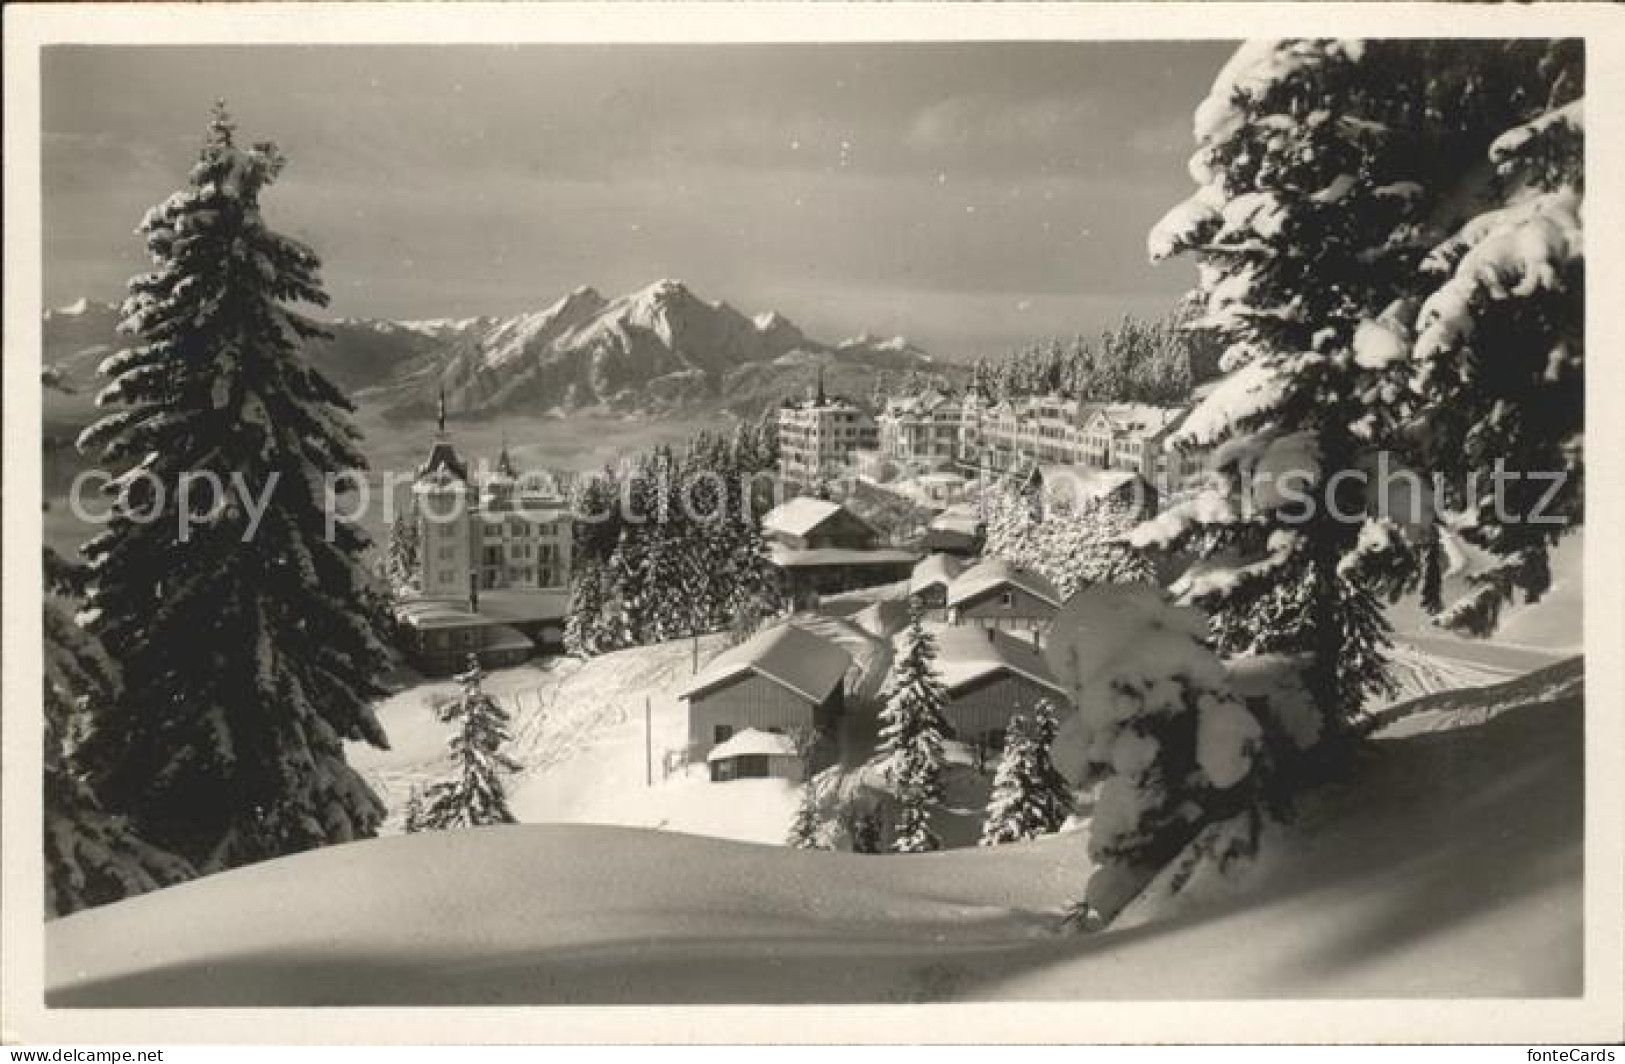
(662, 347)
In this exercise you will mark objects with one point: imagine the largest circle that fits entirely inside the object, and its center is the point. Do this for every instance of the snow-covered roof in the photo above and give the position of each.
(1082, 483)
(996, 573)
(800, 515)
(519, 605)
(497, 606)
(444, 461)
(436, 613)
(753, 742)
(966, 655)
(937, 569)
(803, 663)
(958, 519)
(791, 558)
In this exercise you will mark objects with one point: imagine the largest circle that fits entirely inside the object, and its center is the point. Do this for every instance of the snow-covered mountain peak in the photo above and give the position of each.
(81, 308)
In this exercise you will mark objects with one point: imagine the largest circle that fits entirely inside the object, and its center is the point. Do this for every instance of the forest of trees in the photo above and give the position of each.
(669, 544)
(1135, 361)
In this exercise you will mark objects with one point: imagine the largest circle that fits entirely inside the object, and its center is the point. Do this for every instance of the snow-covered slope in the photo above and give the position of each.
(1449, 865)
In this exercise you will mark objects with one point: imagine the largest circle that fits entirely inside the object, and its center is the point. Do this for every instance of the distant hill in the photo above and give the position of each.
(659, 349)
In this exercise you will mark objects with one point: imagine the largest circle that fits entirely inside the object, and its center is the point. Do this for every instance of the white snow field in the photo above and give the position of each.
(579, 732)
(1448, 865)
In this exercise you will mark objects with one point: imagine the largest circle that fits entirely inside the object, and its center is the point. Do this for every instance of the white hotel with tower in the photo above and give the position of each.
(493, 575)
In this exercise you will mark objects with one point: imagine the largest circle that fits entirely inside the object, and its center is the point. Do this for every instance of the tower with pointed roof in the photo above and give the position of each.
(443, 497)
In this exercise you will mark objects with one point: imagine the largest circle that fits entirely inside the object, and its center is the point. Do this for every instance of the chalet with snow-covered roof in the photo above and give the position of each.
(820, 547)
(806, 523)
(493, 566)
(930, 581)
(991, 676)
(784, 680)
(997, 594)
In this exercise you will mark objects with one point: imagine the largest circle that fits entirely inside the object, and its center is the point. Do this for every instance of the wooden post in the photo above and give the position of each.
(648, 743)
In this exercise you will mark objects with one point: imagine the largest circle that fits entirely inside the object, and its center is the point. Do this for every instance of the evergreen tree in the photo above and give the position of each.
(412, 815)
(91, 857)
(805, 833)
(1072, 543)
(249, 650)
(1030, 796)
(405, 546)
(1330, 172)
(1496, 371)
(911, 735)
(473, 795)
(862, 827)
(1173, 750)
(584, 634)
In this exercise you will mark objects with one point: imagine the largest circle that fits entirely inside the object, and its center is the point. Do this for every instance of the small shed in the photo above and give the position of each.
(754, 754)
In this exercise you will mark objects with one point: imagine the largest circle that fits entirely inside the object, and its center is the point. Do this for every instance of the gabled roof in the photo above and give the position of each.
(996, 573)
(800, 515)
(802, 663)
(803, 514)
(443, 460)
(968, 655)
(753, 742)
(937, 569)
(782, 557)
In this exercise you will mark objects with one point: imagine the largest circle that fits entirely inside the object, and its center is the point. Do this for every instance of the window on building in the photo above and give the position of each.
(1007, 599)
(722, 733)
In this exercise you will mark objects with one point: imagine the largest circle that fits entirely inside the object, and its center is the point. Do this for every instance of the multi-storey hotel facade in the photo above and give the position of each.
(494, 557)
(818, 437)
(1015, 435)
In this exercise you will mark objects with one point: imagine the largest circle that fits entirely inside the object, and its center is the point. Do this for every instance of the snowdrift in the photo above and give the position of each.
(1450, 864)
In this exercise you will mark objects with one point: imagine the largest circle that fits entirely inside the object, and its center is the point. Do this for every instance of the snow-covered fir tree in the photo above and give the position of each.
(472, 795)
(91, 856)
(912, 730)
(1379, 290)
(861, 825)
(1496, 366)
(248, 643)
(1030, 796)
(806, 832)
(403, 557)
(585, 629)
(1174, 750)
(684, 555)
(1072, 543)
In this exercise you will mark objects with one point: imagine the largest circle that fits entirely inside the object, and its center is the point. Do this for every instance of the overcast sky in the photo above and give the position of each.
(971, 196)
